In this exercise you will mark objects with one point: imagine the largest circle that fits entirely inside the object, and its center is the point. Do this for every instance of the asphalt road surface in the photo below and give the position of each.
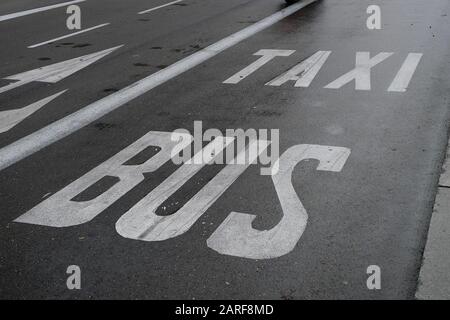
(368, 106)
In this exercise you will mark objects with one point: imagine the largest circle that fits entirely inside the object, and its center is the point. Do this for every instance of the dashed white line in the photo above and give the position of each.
(36, 10)
(62, 128)
(159, 7)
(67, 36)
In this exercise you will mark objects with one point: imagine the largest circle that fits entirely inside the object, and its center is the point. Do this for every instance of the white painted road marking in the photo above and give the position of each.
(55, 72)
(67, 36)
(434, 278)
(404, 75)
(303, 73)
(306, 71)
(236, 236)
(41, 9)
(267, 55)
(141, 221)
(63, 127)
(361, 73)
(60, 210)
(159, 7)
(10, 118)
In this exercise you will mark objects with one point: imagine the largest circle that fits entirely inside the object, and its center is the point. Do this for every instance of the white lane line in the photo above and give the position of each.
(67, 36)
(159, 7)
(59, 129)
(32, 11)
(55, 72)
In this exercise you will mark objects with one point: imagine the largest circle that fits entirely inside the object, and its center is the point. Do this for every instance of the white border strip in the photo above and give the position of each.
(67, 36)
(59, 129)
(31, 11)
(159, 7)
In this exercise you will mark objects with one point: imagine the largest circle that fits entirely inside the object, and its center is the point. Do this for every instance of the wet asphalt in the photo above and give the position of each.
(376, 211)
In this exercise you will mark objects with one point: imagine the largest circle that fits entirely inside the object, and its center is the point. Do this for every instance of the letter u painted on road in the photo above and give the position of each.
(235, 236)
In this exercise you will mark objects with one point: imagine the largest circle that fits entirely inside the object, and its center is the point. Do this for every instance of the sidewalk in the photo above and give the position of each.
(434, 279)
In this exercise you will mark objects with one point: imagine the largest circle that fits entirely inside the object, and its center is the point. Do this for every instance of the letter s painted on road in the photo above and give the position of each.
(236, 237)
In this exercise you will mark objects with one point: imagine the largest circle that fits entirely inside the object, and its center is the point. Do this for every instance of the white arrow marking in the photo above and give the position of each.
(67, 36)
(55, 72)
(10, 118)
